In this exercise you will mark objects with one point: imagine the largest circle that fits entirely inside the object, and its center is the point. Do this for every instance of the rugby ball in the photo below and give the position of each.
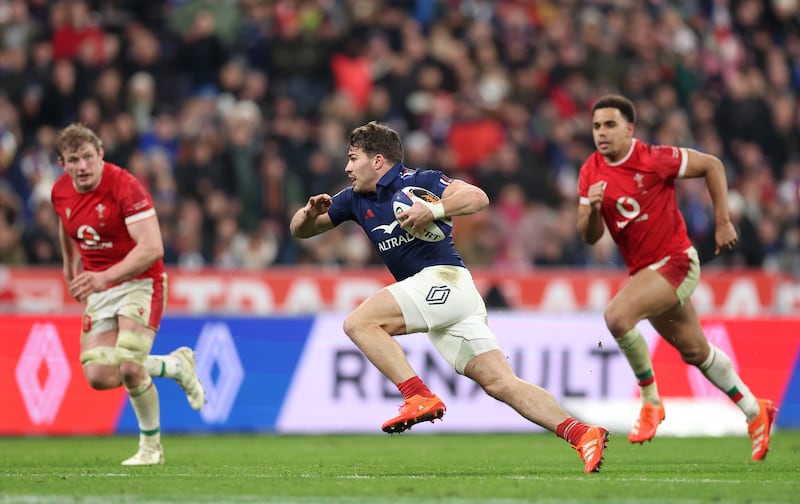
(403, 199)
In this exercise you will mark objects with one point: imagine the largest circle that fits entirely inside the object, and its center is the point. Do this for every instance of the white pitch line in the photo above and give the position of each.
(599, 477)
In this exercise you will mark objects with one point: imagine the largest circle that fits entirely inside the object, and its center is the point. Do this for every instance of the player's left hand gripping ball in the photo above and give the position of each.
(403, 199)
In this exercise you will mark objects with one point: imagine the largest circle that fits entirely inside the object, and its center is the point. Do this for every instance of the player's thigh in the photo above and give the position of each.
(465, 341)
(646, 295)
(681, 328)
(97, 357)
(142, 301)
(133, 311)
(380, 309)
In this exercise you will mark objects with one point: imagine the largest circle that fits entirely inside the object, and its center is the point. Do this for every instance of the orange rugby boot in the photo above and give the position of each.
(645, 427)
(760, 427)
(591, 447)
(414, 410)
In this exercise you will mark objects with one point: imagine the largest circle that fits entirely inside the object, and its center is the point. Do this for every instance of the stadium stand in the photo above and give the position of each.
(233, 112)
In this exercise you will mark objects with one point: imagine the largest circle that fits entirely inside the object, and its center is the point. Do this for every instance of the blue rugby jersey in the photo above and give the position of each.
(403, 254)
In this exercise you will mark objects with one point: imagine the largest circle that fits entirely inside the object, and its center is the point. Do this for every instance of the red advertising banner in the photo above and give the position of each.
(42, 387)
(764, 352)
(311, 290)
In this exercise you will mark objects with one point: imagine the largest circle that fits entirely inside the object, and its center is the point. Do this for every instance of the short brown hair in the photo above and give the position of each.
(375, 138)
(619, 102)
(74, 136)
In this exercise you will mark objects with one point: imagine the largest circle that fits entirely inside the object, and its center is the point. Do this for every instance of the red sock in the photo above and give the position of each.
(414, 386)
(572, 430)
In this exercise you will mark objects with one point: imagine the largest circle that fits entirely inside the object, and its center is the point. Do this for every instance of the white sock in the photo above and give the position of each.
(163, 366)
(719, 371)
(634, 347)
(144, 400)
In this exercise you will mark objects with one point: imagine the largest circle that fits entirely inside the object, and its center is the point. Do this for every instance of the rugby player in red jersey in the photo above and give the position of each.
(628, 187)
(112, 251)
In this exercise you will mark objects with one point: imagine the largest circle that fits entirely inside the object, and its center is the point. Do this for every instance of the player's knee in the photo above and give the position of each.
(617, 321)
(353, 325)
(138, 387)
(101, 377)
(102, 382)
(499, 388)
(691, 344)
(350, 324)
(132, 346)
(100, 367)
(131, 373)
(693, 355)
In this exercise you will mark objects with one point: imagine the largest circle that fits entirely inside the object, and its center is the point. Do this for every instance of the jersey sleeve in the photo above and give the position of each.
(134, 200)
(342, 207)
(583, 184)
(433, 180)
(668, 161)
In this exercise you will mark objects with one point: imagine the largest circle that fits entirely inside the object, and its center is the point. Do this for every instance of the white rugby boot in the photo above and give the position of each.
(188, 379)
(147, 455)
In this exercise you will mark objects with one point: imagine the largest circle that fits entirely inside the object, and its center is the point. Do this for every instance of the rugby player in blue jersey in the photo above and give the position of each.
(434, 292)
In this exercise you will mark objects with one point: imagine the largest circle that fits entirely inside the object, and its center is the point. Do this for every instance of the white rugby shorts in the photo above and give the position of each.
(133, 299)
(444, 302)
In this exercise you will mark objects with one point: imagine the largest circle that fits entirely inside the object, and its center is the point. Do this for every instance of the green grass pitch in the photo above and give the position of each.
(414, 468)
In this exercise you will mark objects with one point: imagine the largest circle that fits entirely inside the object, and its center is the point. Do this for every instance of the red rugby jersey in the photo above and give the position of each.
(98, 220)
(639, 206)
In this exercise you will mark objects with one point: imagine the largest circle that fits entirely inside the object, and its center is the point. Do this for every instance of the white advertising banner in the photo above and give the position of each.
(336, 390)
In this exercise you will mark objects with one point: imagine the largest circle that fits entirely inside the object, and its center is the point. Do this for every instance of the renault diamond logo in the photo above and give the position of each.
(43, 348)
(216, 350)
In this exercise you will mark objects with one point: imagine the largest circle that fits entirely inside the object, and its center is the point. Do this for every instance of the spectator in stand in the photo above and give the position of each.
(240, 154)
(200, 172)
(12, 251)
(141, 100)
(108, 91)
(201, 53)
(62, 95)
(40, 246)
(74, 29)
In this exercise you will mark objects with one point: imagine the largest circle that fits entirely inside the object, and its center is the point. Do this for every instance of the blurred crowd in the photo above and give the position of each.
(233, 112)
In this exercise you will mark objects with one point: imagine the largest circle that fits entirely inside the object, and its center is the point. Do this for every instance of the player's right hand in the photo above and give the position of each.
(725, 237)
(596, 193)
(86, 283)
(318, 205)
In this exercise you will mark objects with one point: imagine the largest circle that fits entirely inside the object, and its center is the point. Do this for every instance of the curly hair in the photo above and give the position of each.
(74, 136)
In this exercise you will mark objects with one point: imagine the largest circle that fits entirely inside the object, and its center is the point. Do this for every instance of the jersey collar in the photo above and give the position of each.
(627, 156)
(390, 176)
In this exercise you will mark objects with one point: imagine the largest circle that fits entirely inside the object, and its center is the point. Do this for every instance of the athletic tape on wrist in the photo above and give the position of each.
(437, 209)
